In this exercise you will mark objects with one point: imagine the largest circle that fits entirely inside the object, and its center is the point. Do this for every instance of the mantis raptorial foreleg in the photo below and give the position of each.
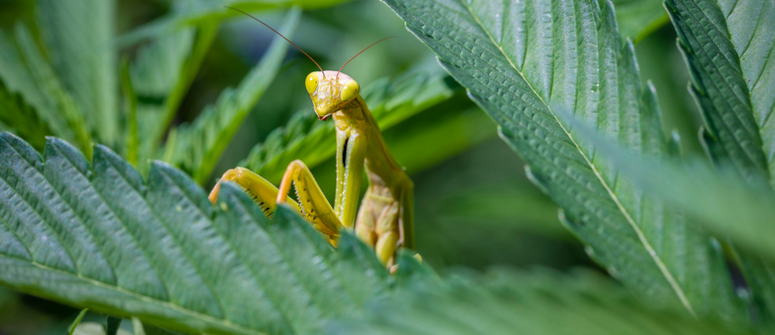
(312, 202)
(316, 208)
(385, 220)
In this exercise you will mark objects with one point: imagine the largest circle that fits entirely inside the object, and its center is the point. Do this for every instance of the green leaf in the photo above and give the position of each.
(197, 147)
(210, 12)
(720, 199)
(24, 120)
(520, 62)
(100, 237)
(79, 36)
(312, 141)
(77, 321)
(159, 64)
(162, 73)
(157, 70)
(542, 302)
(639, 18)
(728, 46)
(25, 71)
(132, 141)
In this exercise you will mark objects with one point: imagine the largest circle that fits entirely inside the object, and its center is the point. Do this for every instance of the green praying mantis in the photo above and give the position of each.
(385, 219)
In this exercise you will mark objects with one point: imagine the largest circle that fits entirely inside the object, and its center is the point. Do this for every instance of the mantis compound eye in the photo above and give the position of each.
(350, 90)
(312, 81)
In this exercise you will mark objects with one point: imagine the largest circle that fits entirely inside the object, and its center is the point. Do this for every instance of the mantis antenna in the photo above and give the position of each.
(356, 55)
(289, 41)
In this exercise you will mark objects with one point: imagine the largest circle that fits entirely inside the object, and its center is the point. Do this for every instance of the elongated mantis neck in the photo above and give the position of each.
(360, 145)
(381, 166)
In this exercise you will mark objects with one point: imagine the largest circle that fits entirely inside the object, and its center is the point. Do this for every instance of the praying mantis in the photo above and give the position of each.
(385, 220)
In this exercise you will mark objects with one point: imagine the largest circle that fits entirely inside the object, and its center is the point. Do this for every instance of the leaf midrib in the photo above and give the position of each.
(641, 237)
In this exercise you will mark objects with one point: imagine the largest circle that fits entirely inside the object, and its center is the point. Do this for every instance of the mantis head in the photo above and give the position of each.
(330, 91)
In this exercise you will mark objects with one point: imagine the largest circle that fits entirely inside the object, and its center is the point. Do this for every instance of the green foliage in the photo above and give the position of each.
(162, 74)
(206, 11)
(586, 69)
(196, 148)
(312, 141)
(156, 72)
(728, 48)
(77, 321)
(639, 18)
(535, 303)
(79, 34)
(21, 118)
(25, 71)
(720, 199)
(92, 230)
(101, 237)
(132, 140)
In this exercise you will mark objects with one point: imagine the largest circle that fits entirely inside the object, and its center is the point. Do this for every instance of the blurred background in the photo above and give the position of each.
(475, 208)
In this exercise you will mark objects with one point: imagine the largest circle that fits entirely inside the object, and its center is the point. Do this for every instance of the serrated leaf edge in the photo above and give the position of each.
(641, 237)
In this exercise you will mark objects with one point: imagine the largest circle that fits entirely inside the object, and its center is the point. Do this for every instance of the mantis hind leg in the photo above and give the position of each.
(385, 221)
(312, 202)
(378, 225)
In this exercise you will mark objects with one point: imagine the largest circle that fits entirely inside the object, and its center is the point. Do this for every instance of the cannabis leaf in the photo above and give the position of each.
(26, 72)
(22, 118)
(728, 46)
(718, 197)
(79, 35)
(162, 73)
(101, 237)
(521, 62)
(729, 56)
(540, 302)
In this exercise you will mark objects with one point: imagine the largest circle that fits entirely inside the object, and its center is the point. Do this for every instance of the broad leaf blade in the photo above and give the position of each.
(100, 237)
(534, 303)
(197, 147)
(519, 61)
(79, 34)
(312, 141)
